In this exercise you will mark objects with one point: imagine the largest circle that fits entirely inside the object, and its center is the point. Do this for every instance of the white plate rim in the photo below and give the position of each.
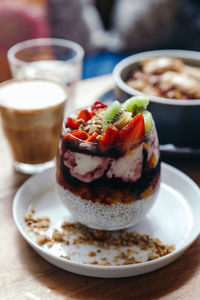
(121, 271)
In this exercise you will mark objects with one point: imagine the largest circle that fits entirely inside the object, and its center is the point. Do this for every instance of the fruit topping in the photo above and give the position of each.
(72, 123)
(123, 120)
(148, 121)
(116, 123)
(108, 137)
(92, 137)
(112, 114)
(85, 115)
(132, 132)
(79, 134)
(136, 104)
(97, 105)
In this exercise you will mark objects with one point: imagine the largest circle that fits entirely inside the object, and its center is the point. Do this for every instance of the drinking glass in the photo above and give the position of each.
(32, 114)
(48, 58)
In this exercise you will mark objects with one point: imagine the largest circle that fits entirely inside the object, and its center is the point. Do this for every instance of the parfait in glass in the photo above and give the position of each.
(108, 164)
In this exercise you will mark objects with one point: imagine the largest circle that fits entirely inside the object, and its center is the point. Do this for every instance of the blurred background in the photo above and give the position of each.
(108, 30)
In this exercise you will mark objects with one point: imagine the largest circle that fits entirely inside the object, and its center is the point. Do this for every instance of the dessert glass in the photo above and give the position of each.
(107, 189)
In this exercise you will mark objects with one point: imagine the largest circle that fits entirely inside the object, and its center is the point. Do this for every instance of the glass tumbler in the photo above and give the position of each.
(31, 116)
(48, 58)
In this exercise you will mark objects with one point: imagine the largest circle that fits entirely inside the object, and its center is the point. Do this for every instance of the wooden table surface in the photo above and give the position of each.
(25, 275)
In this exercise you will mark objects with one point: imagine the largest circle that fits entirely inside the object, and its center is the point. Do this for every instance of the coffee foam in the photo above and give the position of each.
(31, 94)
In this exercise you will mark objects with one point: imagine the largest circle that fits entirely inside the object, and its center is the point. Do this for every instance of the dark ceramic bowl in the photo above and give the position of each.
(177, 121)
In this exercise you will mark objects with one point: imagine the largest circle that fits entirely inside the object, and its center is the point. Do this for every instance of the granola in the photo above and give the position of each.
(126, 245)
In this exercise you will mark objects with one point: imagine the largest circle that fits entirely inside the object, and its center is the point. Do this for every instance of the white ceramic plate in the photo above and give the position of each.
(174, 219)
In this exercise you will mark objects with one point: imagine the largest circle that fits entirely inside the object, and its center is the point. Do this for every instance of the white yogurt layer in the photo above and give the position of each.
(85, 167)
(127, 167)
(153, 148)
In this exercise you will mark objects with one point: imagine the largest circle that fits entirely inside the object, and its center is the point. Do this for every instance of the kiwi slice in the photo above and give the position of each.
(148, 121)
(123, 120)
(136, 104)
(111, 114)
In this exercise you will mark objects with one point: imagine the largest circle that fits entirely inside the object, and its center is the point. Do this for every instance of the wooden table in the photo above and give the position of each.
(25, 275)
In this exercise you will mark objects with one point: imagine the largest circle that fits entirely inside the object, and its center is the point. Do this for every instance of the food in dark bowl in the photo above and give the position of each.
(108, 164)
(172, 79)
(167, 77)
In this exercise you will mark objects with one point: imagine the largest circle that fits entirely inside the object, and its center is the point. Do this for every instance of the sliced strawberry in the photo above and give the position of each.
(85, 115)
(97, 105)
(132, 132)
(92, 137)
(72, 123)
(108, 137)
(80, 134)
